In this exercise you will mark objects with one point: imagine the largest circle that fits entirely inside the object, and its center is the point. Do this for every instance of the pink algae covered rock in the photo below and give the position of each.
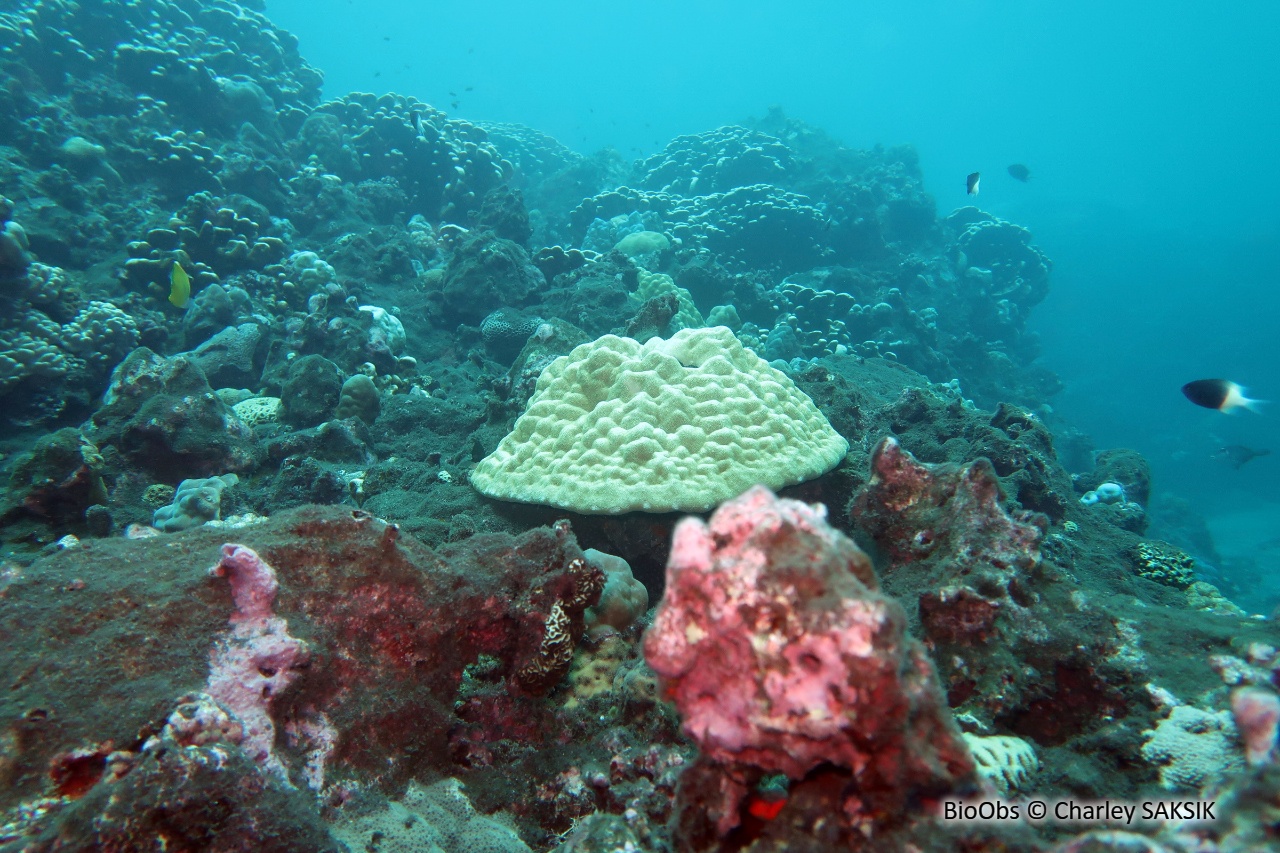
(781, 653)
(1257, 716)
(967, 555)
(257, 660)
(253, 582)
(915, 511)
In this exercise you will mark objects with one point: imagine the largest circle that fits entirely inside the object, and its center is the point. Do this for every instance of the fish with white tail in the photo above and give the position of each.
(1221, 394)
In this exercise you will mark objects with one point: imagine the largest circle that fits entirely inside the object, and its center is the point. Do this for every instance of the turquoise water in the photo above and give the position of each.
(1150, 132)
(222, 299)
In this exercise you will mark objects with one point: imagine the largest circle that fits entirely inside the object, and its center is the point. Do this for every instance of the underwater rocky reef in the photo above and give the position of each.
(380, 480)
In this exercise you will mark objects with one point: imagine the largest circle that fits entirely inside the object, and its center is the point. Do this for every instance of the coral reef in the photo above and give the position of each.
(1163, 563)
(1193, 748)
(390, 307)
(444, 166)
(1008, 763)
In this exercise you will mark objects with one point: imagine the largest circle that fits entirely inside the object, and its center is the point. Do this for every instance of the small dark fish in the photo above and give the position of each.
(377, 74)
(470, 89)
(1019, 172)
(453, 94)
(1221, 394)
(453, 104)
(971, 183)
(1238, 454)
(386, 38)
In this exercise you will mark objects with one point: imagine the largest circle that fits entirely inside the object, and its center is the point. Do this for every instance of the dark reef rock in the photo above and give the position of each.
(304, 480)
(212, 310)
(1126, 468)
(233, 358)
(161, 415)
(485, 274)
(503, 212)
(311, 391)
(413, 662)
(187, 795)
(59, 480)
(593, 297)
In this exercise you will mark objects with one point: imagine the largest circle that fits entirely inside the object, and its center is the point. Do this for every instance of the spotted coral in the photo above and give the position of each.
(1164, 564)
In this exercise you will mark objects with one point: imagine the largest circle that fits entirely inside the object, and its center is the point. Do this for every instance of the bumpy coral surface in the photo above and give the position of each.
(1008, 763)
(1163, 563)
(1192, 748)
(680, 424)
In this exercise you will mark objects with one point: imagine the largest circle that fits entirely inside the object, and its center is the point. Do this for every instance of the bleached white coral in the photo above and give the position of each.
(1006, 762)
(1193, 747)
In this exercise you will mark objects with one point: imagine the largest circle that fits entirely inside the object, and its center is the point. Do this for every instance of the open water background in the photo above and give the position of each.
(1151, 129)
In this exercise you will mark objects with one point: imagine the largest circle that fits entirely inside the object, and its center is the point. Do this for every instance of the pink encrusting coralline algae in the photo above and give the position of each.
(1257, 717)
(258, 659)
(781, 654)
(253, 583)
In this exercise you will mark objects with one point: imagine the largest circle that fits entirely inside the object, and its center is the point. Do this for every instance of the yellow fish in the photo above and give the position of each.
(179, 286)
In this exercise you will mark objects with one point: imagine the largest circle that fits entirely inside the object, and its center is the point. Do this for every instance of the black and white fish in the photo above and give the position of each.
(1221, 394)
(1019, 172)
(971, 183)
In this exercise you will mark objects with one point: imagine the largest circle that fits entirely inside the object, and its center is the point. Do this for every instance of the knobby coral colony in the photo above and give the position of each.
(412, 364)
